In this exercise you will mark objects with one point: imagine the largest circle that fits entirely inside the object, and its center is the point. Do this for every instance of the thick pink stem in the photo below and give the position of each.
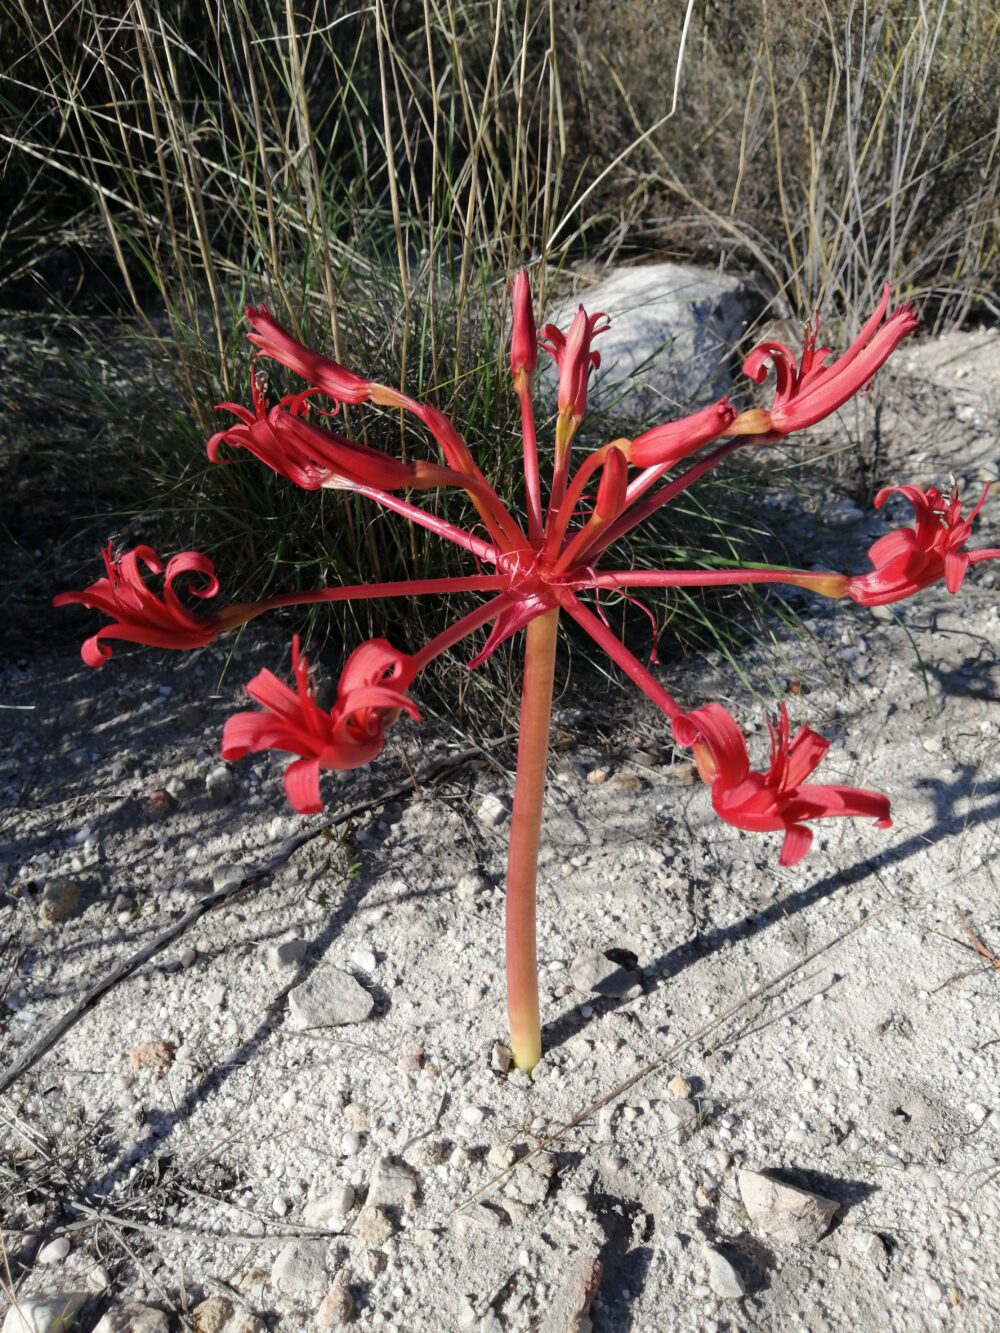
(525, 833)
(618, 653)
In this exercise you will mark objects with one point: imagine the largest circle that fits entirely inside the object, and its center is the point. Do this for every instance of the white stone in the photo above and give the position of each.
(575, 1203)
(349, 1143)
(673, 327)
(44, 1314)
(392, 1185)
(593, 973)
(500, 1057)
(364, 959)
(492, 810)
(329, 1210)
(680, 1119)
(286, 955)
(328, 998)
(722, 1276)
(55, 1252)
(219, 780)
(133, 1318)
(300, 1267)
(478, 1217)
(785, 1212)
(224, 877)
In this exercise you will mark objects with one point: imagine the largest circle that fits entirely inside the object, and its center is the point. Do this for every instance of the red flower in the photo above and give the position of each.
(370, 696)
(908, 559)
(137, 613)
(780, 799)
(524, 339)
(808, 392)
(277, 343)
(311, 456)
(668, 444)
(573, 357)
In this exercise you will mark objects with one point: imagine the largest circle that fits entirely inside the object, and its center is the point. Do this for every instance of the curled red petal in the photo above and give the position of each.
(796, 843)
(302, 786)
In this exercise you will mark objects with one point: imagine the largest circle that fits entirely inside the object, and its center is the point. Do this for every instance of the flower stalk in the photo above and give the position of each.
(525, 835)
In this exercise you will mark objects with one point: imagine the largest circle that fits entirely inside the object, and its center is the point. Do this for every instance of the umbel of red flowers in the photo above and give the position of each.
(536, 571)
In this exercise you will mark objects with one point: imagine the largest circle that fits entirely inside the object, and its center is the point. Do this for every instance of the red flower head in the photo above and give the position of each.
(908, 559)
(278, 344)
(311, 456)
(137, 613)
(808, 392)
(573, 357)
(780, 799)
(370, 696)
(524, 339)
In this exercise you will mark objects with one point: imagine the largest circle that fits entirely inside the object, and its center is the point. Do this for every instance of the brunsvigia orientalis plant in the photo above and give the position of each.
(530, 574)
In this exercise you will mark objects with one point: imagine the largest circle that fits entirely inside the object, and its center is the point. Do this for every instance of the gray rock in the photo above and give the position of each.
(329, 1210)
(374, 1226)
(224, 877)
(328, 998)
(680, 1118)
(841, 514)
(480, 1217)
(500, 1058)
(722, 1276)
(784, 1212)
(60, 899)
(526, 1187)
(492, 810)
(569, 1309)
(212, 1315)
(51, 1312)
(868, 1247)
(133, 1318)
(672, 335)
(287, 955)
(219, 780)
(301, 1268)
(594, 974)
(337, 1305)
(392, 1185)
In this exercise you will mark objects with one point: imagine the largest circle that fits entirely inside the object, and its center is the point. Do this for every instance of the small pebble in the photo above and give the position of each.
(575, 1203)
(349, 1143)
(500, 1058)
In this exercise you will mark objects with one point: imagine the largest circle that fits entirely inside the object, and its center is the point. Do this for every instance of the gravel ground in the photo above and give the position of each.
(297, 1115)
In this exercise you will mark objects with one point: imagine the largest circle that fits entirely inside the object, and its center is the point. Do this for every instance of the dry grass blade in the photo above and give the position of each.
(976, 942)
